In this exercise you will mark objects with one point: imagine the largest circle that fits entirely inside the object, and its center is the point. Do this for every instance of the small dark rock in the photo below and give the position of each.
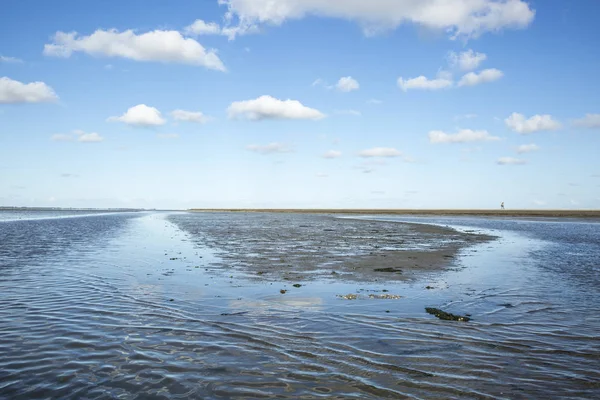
(283, 291)
(297, 285)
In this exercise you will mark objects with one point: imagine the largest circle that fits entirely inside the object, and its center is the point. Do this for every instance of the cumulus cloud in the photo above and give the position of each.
(140, 115)
(79, 136)
(527, 148)
(271, 148)
(510, 161)
(423, 82)
(190, 116)
(589, 121)
(12, 92)
(10, 60)
(201, 27)
(347, 84)
(89, 137)
(161, 46)
(332, 154)
(460, 18)
(518, 123)
(466, 60)
(485, 76)
(462, 136)
(267, 107)
(380, 152)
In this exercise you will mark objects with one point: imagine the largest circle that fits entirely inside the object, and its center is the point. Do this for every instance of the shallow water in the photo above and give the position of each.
(131, 306)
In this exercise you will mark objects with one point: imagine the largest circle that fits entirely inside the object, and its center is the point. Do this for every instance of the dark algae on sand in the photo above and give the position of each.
(446, 315)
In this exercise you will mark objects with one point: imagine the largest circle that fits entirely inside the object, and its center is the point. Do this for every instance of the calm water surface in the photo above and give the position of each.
(131, 306)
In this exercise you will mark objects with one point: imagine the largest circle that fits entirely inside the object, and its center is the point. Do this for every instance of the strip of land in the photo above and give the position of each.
(424, 212)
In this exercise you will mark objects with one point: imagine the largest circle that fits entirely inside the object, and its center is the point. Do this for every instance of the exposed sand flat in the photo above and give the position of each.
(300, 247)
(462, 212)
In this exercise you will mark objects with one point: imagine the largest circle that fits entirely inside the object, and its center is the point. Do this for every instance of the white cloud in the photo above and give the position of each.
(140, 115)
(380, 152)
(374, 101)
(460, 18)
(349, 112)
(267, 107)
(271, 148)
(167, 136)
(485, 76)
(190, 116)
(347, 84)
(462, 136)
(527, 148)
(332, 154)
(467, 60)
(200, 27)
(10, 60)
(79, 136)
(89, 137)
(12, 91)
(162, 46)
(319, 82)
(518, 123)
(422, 82)
(589, 121)
(539, 202)
(510, 161)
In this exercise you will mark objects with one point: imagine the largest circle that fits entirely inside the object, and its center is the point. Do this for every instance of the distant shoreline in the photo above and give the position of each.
(424, 212)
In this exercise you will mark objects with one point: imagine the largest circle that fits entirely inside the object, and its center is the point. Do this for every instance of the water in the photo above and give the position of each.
(132, 306)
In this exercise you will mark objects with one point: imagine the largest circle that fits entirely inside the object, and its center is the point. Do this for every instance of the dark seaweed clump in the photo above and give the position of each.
(446, 316)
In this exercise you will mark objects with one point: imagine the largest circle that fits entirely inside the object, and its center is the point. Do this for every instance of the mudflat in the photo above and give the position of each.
(432, 212)
(300, 247)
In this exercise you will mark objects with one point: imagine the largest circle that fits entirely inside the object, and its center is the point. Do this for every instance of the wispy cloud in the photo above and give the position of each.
(332, 154)
(462, 136)
(271, 148)
(510, 161)
(10, 60)
(527, 148)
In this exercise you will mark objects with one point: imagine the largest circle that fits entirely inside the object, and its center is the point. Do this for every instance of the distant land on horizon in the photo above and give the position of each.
(440, 212)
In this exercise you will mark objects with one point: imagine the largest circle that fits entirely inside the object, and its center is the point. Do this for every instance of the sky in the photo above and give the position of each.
(300, 104)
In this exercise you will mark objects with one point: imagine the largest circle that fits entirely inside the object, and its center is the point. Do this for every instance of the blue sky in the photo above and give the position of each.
(300, 103)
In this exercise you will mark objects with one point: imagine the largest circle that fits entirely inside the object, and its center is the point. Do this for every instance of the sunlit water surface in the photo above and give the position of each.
(130, 306)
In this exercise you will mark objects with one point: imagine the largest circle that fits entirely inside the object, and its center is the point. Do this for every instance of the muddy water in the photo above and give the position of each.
(133, 306)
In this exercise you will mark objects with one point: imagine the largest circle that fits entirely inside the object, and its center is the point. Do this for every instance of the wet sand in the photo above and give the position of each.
(428, 212)
(299, 247)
